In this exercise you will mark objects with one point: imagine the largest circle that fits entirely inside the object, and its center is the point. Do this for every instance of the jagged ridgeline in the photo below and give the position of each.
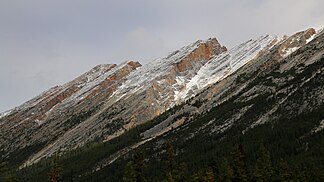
(253, 112)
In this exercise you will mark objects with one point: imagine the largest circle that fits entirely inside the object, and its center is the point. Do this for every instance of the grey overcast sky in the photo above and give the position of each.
(44, 43)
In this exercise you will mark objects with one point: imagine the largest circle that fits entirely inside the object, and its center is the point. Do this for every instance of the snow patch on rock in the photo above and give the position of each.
(222, 66)
(319, 127)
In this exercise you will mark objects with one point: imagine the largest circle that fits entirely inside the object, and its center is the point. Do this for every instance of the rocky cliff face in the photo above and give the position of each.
(111, 99)
(41, 120)
(270, 95)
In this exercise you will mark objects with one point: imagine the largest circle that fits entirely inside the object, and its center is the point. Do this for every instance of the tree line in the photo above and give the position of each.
(232, 169)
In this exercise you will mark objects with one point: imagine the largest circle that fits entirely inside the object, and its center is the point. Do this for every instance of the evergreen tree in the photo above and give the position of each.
(226, 172)
(183, 172)
(284, 171)
(139, 166)
(134, 170)
(195, 177)
(320, 175)
(54, 175)
(239, 165)
(300, 175)
(71, 175)
(208, 175)
(169, 162)
(263, 169)
(129, 174)
(10, 178)
(2, 167)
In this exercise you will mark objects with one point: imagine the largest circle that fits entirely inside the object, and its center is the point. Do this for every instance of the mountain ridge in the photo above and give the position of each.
(109, 100)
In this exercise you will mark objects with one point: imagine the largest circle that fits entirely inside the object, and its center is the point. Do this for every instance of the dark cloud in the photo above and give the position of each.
(45, 43)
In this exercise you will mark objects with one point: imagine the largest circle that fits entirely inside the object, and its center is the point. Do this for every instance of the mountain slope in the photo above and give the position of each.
(204, 92)
(84, 110)
(44, 118)
(275, 99)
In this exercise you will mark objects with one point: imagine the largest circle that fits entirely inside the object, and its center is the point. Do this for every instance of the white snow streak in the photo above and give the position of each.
(223, 65)
(320, 127)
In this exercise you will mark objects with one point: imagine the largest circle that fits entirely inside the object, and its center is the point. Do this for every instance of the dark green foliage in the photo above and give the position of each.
(284, 172)
(239, 165)
(55, 174)
(208, 175)
(2, 167)
(20, 155)
(182, 174)
(90, 154)
(139, 166)
(129, 174)
(134, 170)
(225, 172)
(263, 169)
(169, 162)
(5, 174)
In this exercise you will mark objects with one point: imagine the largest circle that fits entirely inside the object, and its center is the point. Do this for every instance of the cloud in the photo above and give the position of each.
(141, 45)
(45, 43)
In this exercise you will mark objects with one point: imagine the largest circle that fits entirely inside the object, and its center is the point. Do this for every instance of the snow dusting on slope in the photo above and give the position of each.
(4, 114)
(188, 85)
(289, 51)
(93, 80)
(92, 75)
(223, 65)
(311, 38)
(143, 77)
(320, 127)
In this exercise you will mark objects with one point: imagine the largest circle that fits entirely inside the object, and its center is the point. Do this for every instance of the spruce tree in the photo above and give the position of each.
(300, 174)
(139, 166)
(239, 165)
(54, 175)
(226, 172)
(169, 163)
(129, 174)
(71, 175)
(208, 175)
(134, 170)
(263, 169)
(183, 173)
(196, 177)
(9, 176)
(2, 167)
(284, 171)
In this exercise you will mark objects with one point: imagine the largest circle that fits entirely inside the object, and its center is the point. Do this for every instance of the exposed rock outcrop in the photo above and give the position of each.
(111, 99)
